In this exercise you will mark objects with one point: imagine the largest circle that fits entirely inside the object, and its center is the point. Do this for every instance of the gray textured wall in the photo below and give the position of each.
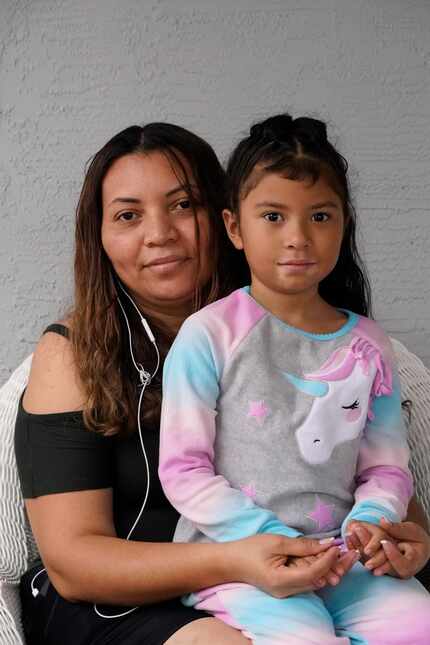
(74, 73)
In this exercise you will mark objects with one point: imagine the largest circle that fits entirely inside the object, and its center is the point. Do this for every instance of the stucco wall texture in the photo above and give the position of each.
(74, 73)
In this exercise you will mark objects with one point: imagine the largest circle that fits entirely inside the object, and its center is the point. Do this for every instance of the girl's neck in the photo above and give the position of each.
(306, 310)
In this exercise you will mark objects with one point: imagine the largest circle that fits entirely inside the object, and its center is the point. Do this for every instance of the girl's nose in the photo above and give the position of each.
(159, 229)
(297, 236)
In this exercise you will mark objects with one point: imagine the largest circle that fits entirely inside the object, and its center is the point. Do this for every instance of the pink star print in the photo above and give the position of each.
(258, 410)
(322, 515)
(249, 491)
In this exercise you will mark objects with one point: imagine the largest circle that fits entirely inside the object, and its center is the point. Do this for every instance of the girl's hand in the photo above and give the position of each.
(261, 561)
(367, 539)
(411, 552)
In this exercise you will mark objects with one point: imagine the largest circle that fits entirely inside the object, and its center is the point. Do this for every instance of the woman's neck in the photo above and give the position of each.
(169, 318)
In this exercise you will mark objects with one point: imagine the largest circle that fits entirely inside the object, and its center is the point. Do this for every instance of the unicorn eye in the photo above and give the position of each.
(353, 406)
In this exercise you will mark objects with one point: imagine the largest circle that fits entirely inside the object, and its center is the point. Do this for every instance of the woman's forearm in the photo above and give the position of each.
(86, 560)
(416, 514)
(113, 571)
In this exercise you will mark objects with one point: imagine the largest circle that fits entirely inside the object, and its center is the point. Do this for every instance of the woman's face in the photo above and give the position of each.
(149, 232)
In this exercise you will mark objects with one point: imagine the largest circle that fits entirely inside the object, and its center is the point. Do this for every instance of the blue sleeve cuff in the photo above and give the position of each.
(369, 511)
(276, 527)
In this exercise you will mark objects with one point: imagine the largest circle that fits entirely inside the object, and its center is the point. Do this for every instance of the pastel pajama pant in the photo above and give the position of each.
(362, 610)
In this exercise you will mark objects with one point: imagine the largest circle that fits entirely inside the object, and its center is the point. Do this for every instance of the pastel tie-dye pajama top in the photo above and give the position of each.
(269, 429)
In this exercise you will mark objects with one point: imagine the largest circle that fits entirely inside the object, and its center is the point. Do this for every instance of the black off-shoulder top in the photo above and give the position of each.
(55, 453)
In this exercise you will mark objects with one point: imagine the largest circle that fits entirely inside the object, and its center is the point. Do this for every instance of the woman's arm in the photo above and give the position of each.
(416, 514)
(409, 552)
(85, 559)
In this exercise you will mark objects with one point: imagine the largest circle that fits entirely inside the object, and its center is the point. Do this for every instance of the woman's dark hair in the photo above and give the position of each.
(298, 149)
(99, 337)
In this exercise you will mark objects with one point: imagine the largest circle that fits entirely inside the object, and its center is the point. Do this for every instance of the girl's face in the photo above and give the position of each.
(149, 232)
(291, 232)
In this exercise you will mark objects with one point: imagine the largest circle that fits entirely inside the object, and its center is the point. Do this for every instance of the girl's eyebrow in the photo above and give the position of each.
(328, 204)
(271, 205)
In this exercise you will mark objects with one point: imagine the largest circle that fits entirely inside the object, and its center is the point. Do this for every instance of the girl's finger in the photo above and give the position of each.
(352, 541)
(363, 535)
(373, 545)
(377, 560)
(385, 569)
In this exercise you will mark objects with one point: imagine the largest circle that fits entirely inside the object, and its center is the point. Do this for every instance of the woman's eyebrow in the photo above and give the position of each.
(135, 200)
(180, 188)
(125, 200)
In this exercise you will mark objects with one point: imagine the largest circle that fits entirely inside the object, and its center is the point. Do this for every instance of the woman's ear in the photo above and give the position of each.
(232, 225)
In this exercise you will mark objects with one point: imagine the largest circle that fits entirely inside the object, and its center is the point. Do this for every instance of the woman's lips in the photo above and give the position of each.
(167, 263)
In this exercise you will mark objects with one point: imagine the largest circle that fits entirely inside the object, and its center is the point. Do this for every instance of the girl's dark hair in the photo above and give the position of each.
(99, 337)
(299, 149)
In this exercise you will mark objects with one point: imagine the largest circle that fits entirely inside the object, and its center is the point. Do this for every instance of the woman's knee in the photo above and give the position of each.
(207, 630)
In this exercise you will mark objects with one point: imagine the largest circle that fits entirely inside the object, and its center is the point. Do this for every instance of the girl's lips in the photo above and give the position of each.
(296, 266)
(297, 262)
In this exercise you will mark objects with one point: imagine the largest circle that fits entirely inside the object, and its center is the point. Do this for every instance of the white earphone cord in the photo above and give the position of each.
(145, 378)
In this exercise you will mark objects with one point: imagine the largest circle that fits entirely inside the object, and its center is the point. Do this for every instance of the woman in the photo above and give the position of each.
(149, 240)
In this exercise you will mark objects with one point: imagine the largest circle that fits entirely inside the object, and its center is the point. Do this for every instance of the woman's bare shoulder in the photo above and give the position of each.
(54, 384)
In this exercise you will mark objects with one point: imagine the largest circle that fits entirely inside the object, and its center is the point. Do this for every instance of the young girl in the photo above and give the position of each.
(281, 403)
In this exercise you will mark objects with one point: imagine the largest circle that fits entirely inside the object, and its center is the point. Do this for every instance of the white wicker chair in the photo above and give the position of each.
(415, 386)
(17, 546)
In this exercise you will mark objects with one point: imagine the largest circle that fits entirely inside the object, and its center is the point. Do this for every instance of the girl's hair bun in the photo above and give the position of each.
(283, 128)
(312, 128)
(276, 128)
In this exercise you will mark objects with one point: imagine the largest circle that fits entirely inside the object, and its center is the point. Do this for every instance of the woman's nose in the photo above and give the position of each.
(159, 229)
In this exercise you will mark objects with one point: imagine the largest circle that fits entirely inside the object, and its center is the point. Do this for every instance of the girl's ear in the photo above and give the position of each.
(231, 221)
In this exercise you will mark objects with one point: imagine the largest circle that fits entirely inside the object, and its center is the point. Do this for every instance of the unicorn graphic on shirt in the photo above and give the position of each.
(343, 390)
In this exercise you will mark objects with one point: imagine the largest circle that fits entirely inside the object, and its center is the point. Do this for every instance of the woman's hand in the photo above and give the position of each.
(263, 561)
(404, 547)
(411, 551)
(341, 566)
